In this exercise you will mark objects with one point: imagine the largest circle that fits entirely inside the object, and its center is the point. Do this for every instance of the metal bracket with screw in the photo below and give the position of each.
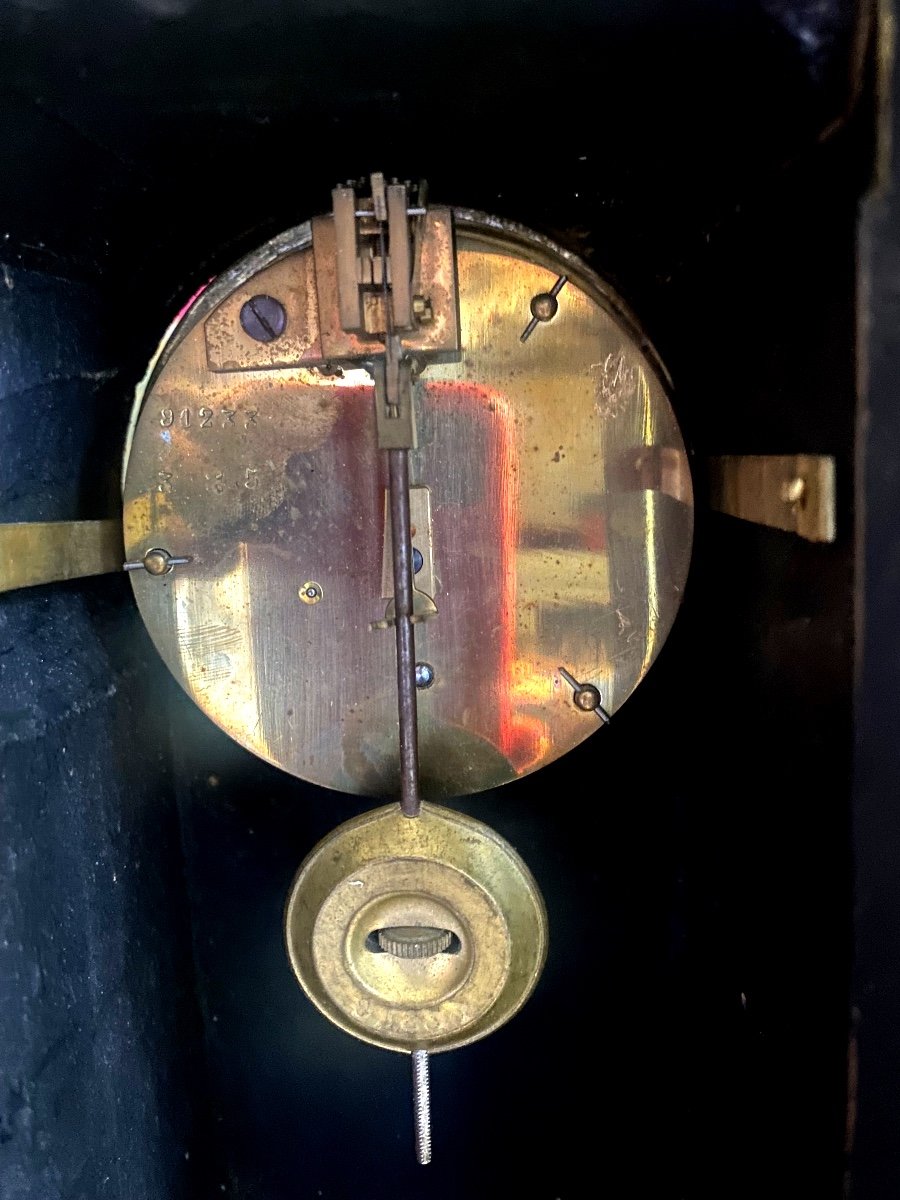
(263, 318)
(792, 492)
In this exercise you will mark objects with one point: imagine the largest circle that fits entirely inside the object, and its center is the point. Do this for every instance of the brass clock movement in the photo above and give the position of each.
(408, 514)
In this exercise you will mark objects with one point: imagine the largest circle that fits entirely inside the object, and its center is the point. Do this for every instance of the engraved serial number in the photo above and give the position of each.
(243, 477)
(208, 418)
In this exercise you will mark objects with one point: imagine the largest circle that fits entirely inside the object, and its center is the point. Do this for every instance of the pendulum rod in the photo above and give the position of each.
(401, 547)
(402, 562)
(390, 300)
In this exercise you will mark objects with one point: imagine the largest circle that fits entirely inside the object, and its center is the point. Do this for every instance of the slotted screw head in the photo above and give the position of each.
(263, 318)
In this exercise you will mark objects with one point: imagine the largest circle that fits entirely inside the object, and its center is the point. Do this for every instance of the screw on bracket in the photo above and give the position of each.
(263, 318)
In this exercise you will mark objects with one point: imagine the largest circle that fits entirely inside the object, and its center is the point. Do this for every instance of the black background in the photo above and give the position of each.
(690, 1035)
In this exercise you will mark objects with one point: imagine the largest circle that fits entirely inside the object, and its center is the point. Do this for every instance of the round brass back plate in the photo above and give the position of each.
(441, 871)
(554, 509)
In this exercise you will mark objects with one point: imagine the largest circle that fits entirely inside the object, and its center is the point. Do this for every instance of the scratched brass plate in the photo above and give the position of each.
(561, 509)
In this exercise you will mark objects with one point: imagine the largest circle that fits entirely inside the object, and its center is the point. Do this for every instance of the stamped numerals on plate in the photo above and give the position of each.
(208, 418)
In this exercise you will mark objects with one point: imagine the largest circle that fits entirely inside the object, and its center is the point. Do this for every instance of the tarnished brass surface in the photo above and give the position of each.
(441, 871)
(561, 521)
(793, 492)
(33, 552)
